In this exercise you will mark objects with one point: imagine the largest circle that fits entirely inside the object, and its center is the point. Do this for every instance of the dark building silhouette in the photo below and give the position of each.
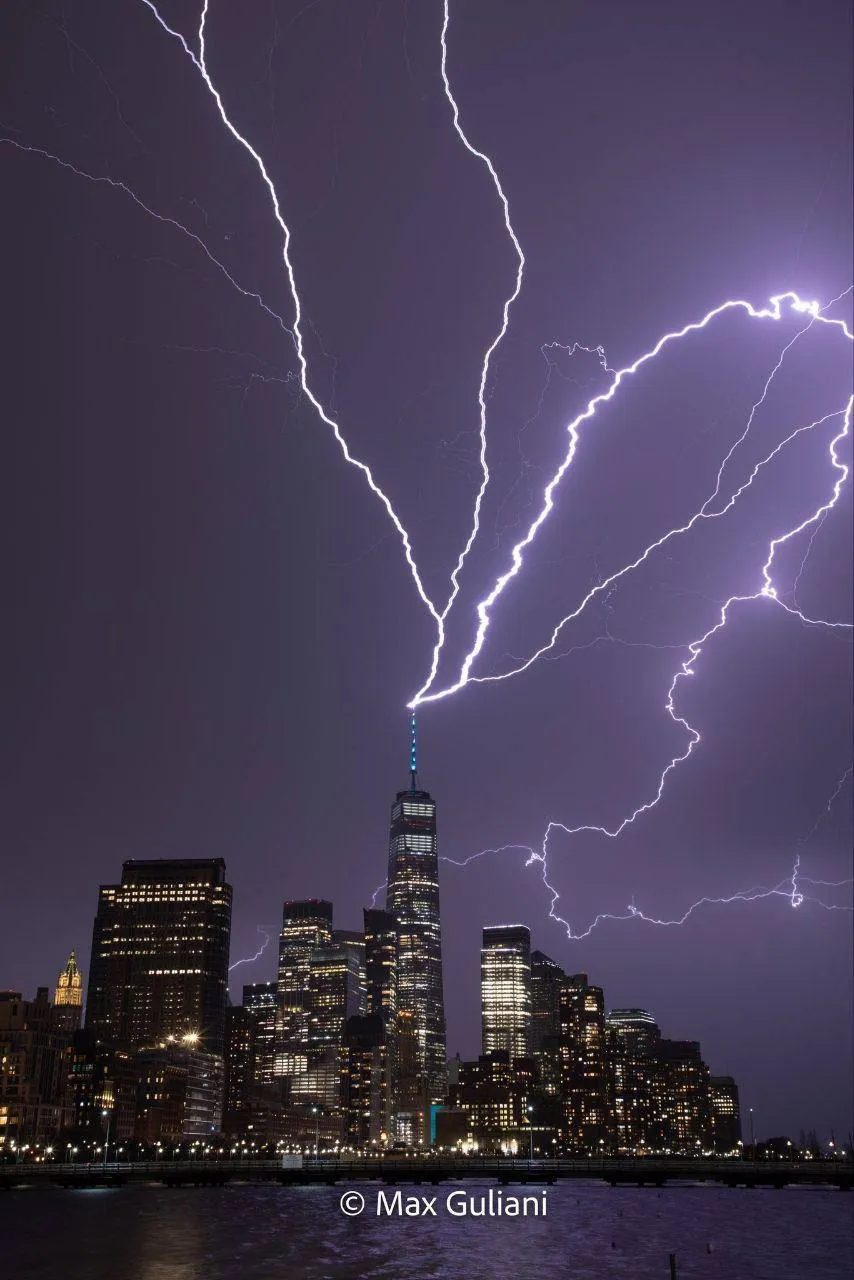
(547, 977)
(365, 1082)
(726, 1115)
(33, 1041)
(239, 1069)
(160, 946)
(412, 897)
(100, 1092)
(505, 990)
(381, 947)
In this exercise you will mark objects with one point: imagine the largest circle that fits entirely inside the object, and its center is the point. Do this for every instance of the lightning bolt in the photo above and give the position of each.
(780, 307)
(777, 307)
(200, 64)
(269, 933)
(165, 219)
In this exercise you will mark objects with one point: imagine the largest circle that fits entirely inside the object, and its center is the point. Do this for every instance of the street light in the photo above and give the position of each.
(315, 1111)
(752, 1136)
(531, 1129)
(109, 1115)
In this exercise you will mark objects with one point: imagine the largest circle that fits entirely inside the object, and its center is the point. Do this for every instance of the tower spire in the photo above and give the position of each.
(413, 753)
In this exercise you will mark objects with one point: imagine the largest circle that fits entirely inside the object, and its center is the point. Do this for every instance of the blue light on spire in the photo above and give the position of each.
(412, 749)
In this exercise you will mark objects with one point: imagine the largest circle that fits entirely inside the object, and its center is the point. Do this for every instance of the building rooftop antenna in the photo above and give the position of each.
(413, 753)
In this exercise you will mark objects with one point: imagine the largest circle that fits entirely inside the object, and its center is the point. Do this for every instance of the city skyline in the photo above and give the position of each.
(216, 631)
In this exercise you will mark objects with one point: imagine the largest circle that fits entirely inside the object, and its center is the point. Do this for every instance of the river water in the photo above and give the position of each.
(267, 1232)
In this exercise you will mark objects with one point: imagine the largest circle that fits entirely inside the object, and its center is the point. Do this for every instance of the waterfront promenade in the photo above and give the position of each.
(434, 1170)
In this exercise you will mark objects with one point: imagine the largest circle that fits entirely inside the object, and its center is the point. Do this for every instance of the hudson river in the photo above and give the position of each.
(275, 1233)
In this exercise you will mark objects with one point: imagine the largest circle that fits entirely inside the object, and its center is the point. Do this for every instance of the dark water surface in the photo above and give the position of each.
(272, 1233)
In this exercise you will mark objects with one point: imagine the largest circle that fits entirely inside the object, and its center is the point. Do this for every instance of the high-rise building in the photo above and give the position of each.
(365, 1082)
(584, 1080)
(681, 1105)
(637, 1030)
(305, 926)
(335, 993)
(159, 965)
(260, 1000)
(239, 1064)
(505, 990)
(381, 945)
(68, 997)
(632, 1038)
(412, 897)
(726, 1114)
(547, 977)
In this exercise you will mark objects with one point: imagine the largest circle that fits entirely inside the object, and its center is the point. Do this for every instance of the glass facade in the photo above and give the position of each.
(412, 897)
(505, 990)
(305, 925)
(160, 946)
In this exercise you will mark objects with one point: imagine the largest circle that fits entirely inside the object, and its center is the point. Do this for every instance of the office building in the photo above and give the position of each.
(412, 897)
(160, 946)
(505, 990)
(584, 1076)
(306, 925)
(260, 1000)
(725, 1115)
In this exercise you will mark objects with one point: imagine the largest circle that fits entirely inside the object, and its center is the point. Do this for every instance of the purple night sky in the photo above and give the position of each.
(214, 633)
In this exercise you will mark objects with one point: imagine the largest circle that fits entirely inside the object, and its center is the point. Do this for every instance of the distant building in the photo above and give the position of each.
(365, 1082)
(584, 1075)
(239, 1069)
(681, 1098)
(637, 1031)
(335, 993)
(68, 997)
(547, 977)
(306, 925)
(33, 1042)
(412, 897)
(179, 1093)
(505, 990)
(726, 1115)
(381, 947)
(632, 1046)
(160, 946)
(497, 1096)
(260, 999)
(100, 1093)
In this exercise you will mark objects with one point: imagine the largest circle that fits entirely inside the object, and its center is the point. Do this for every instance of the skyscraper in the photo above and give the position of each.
(159, 965)
(305, 926)
(632, 1038)
(68, 997)
(260, 999)
(584, 1080)
(505, 989)
(547, 977)
(381, 947)
(412, 896)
